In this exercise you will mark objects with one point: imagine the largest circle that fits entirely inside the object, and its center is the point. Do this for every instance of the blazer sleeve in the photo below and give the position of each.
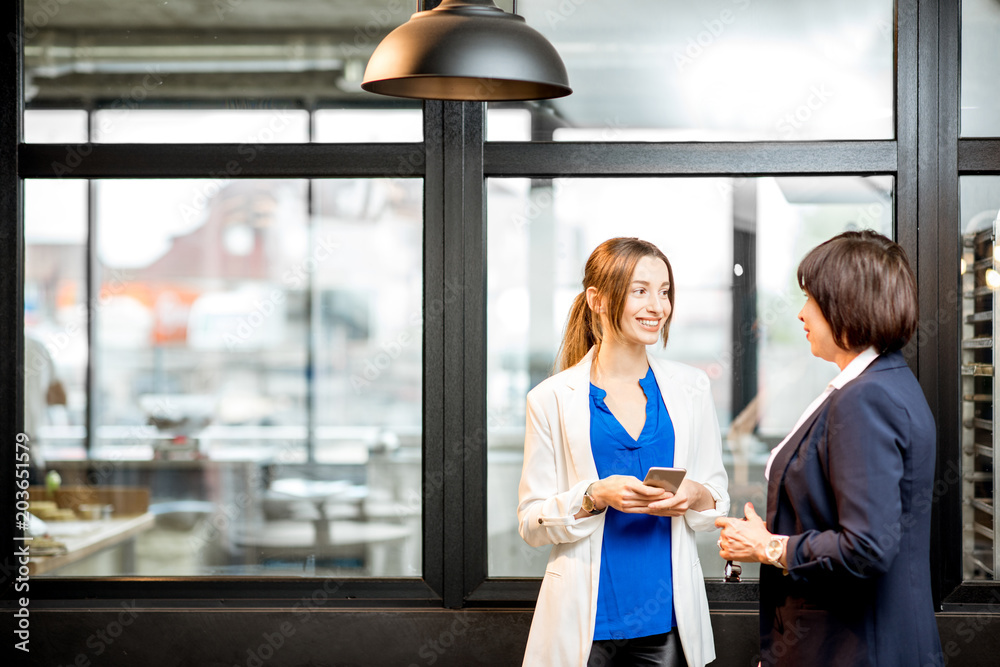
(546, 512)
(705, 464)
(866, 434)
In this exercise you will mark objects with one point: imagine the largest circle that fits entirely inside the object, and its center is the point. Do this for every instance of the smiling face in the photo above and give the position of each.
(647, 305)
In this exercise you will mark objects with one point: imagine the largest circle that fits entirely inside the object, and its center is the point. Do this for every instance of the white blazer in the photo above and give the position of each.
(558, 468)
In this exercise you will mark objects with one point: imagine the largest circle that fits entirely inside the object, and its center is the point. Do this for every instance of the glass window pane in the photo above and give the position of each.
(238, 426)
(143, 126)
(980, 61)
(257, 127)
(734, 245)
(979, 473)
(723, 70)
(368, 320)
(55, 317)
(369, 125)
(55, 126)
(508, 124)
(242, 56)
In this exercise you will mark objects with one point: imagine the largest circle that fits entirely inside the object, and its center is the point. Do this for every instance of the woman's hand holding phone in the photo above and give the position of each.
(665, 492)
(626, 493)
(676, 504)
(686, 494)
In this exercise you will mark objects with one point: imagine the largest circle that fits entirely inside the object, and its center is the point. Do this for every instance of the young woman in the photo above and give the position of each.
(623, 583)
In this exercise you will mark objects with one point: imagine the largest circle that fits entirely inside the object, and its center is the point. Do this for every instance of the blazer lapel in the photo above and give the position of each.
(575, 409)
(781, 462)
(677, 404)
(784, 458)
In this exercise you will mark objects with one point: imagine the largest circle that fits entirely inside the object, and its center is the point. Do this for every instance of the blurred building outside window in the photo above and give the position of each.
(236, 328)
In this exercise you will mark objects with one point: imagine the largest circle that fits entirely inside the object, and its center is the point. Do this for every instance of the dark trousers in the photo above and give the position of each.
(652, 651)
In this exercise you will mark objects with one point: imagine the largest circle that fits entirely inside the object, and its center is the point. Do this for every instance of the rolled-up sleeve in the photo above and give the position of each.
(705, 466)
(547, 513)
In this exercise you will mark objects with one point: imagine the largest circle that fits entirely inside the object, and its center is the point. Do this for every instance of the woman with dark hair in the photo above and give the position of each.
(623, 583)
(846, 544)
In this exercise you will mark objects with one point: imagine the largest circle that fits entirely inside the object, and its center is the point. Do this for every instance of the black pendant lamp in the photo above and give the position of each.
(466, 50)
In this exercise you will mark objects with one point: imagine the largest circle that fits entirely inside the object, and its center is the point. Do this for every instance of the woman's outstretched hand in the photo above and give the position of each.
(743, 539)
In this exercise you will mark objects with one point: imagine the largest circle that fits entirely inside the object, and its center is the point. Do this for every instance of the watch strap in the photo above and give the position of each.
(588, 502)
(775, 549)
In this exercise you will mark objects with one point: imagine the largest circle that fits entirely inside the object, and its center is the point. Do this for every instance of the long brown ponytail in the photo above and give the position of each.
(609, 270)
(583, 331)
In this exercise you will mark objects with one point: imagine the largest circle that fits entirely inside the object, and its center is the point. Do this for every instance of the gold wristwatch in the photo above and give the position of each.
(588, 502)
(774, 549)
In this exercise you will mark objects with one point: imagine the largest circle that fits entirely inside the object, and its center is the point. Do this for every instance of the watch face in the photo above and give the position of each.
(588, 504)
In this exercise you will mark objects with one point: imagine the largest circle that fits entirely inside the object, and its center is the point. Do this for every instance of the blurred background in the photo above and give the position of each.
(250, 351)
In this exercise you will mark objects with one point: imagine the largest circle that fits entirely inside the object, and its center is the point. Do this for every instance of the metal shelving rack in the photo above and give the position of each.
(980, 279)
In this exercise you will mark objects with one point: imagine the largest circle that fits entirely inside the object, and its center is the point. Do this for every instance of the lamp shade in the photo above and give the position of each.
(466, 50)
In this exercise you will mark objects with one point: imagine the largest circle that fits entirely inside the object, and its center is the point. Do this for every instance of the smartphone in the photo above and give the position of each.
(665, 478)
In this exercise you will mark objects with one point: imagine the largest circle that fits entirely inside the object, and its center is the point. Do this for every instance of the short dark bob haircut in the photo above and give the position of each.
(865, 288)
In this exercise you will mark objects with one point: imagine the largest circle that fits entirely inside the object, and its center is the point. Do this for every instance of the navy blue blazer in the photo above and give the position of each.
(853, 489)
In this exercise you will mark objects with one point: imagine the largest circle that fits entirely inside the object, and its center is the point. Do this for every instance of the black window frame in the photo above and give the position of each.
(455, 162)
